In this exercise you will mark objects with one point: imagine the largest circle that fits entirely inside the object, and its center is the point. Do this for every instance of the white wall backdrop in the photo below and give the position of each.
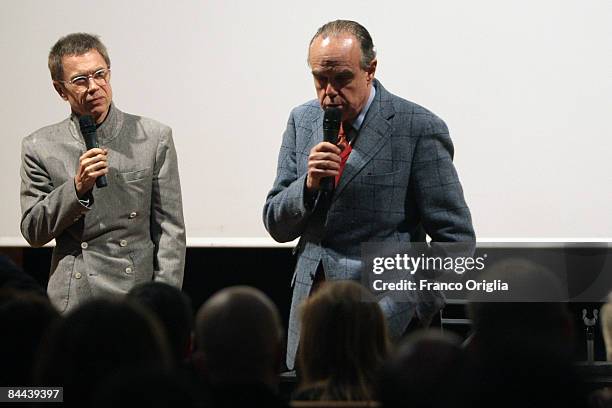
(525, 87)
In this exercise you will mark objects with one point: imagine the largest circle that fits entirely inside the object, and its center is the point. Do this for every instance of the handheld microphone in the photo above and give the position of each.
(88, 130)
(331, 127)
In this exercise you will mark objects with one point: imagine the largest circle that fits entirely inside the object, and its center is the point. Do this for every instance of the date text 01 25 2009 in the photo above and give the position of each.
(30, 394)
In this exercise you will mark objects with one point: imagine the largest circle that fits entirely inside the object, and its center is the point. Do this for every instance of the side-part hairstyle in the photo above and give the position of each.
(73, 44)
(368, 53)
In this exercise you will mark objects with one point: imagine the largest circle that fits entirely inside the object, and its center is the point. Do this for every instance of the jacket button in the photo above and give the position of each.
(84, 245)
(128, 270)
(123, 243)
(77, 275)
(133, 214)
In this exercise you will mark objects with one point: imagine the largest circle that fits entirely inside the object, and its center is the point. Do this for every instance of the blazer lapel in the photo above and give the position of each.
(375, 131)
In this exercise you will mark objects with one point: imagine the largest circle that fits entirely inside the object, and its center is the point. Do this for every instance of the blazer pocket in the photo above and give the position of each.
(382, 179)
(133, 175)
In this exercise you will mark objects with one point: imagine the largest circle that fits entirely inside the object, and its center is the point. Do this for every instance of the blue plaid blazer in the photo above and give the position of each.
(399, 184)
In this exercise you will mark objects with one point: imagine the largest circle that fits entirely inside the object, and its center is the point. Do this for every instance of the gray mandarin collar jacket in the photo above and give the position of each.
(131, 232)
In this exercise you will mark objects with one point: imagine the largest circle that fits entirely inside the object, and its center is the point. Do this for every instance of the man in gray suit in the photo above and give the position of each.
(395, 180)
(107, 239)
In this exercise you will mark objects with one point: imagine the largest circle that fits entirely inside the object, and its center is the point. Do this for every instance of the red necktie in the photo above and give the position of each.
(343, 142)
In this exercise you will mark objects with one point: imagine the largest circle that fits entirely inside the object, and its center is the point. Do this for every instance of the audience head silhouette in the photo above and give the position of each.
(173, 309)
(239, 337)
(96, 341)
(423, 365)
(343, 343)
(26, 317)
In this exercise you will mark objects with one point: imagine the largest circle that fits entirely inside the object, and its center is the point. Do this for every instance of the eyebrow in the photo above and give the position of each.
(343, 72)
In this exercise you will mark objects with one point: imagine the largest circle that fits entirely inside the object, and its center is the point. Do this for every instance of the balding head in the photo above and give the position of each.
(239, 334)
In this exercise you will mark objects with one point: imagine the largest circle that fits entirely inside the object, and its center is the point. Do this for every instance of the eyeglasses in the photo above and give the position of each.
(81, 82)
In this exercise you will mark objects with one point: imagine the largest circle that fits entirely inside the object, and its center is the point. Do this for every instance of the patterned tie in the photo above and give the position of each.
(343, 143)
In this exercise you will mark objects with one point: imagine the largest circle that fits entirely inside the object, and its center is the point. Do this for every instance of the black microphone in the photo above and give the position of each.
(331, 127)
(88, 130)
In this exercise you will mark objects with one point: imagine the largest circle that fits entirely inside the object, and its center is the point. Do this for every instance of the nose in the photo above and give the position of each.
(92, 86)
(330, 91)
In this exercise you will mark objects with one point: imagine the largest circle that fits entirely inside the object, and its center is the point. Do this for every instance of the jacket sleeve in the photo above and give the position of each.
(46, 210)
(288, 206)
(445, 214)
(167, 225)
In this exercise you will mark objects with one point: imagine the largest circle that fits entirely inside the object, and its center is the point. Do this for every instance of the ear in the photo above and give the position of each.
(60, 90)
(371, 70)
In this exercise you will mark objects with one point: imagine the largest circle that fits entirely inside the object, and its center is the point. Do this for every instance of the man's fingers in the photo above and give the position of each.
(323, 165)
(325, 157)
(325, 147)
(95, 167)
(100, 158)
(93, 152)
(93, 160)
(92, 164)
(324, 161)
(98, 173)
(319, 173)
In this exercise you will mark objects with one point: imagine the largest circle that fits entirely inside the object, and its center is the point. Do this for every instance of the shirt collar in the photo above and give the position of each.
(359, 120)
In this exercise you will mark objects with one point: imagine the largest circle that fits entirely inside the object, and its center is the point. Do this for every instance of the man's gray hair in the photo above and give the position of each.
(73, 44)
(368, 53)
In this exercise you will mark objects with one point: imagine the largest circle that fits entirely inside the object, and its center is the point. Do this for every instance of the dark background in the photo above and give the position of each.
(269, 269)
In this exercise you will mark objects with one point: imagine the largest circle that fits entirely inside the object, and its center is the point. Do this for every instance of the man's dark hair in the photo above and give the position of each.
(73, 44)
(97, 340)
(368, 53)
(25, 317)
(173, 309)
(426, 362)
(13, 277)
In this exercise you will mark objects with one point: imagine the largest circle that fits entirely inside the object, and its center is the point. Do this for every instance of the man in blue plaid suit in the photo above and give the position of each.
(398, 184)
